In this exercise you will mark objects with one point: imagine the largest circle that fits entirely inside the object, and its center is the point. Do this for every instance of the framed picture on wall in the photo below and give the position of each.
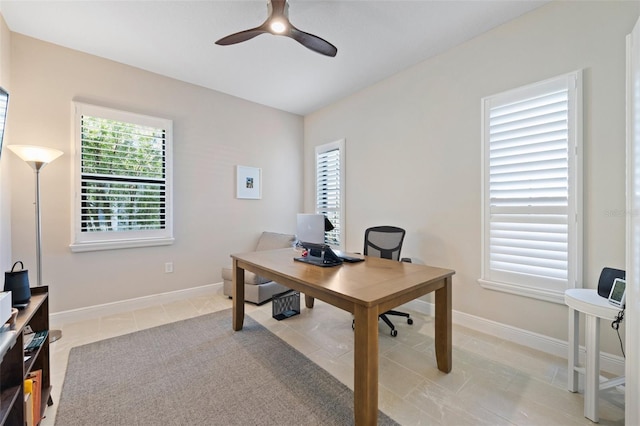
(248, 182)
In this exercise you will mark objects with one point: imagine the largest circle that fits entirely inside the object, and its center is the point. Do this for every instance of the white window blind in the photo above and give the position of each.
(124, 188)
(329, 189)
(531, 171)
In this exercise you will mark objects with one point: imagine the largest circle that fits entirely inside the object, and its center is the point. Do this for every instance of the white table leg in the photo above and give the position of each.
(592, 370)
(574, 354)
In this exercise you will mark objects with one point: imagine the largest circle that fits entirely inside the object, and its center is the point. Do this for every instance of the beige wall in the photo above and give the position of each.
(213, 133)
(413, 149)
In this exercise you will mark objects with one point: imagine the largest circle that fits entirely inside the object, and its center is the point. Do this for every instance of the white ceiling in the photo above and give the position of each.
(375, 39)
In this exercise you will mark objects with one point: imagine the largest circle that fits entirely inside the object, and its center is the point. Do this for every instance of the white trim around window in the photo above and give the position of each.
(532, 189)
(122, 179)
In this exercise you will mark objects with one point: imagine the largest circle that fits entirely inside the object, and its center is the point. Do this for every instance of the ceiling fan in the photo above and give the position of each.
(277, 23)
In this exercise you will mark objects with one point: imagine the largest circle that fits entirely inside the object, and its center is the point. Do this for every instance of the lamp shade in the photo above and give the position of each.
(35, 154)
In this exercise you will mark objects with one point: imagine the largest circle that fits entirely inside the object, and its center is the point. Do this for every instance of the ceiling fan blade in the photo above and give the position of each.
(313, 42)
(242, 36)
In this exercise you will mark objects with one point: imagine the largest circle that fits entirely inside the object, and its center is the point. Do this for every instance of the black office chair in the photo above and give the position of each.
(386, 242)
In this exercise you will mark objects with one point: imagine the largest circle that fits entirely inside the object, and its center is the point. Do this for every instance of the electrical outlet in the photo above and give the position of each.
(168, 267)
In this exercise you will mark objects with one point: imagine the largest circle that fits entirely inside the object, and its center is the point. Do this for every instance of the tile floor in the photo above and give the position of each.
(493, 382)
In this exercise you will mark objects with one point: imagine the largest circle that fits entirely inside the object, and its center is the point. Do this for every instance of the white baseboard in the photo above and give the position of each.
(608, 362)
(611, 363)
(92, 312)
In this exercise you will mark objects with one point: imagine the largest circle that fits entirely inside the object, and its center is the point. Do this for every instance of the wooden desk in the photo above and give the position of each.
(366, 289)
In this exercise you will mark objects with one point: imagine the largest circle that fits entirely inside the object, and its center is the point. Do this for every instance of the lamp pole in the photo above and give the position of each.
(37, 165)
(37, 157)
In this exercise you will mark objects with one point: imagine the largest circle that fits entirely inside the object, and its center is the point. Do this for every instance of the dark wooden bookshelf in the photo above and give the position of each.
(14, 369)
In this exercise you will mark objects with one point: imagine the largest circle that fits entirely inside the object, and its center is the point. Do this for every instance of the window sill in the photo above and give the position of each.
(553, 296)
(120, 244)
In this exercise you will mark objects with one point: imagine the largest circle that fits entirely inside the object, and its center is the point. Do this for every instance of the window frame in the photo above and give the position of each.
(93, 241)
(320, 149)
(530, 287)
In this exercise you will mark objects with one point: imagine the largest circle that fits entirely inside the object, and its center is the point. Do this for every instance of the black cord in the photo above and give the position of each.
(616, 325)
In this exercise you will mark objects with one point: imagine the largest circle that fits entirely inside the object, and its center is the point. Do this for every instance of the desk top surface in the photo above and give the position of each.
(368, 282)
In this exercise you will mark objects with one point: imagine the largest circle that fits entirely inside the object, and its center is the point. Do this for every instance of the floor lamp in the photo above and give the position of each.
(38, 157)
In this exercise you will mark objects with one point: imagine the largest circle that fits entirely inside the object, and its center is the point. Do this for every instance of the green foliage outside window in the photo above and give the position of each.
(123, 176)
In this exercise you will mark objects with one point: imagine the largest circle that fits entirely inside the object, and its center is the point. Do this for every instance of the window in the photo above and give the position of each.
(330, 189)
(123, 190)
(532, 189)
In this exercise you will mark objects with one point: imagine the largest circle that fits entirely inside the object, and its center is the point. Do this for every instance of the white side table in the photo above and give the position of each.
(594, 307)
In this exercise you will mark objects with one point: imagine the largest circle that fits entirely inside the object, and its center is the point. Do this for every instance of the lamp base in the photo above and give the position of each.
(55, 335)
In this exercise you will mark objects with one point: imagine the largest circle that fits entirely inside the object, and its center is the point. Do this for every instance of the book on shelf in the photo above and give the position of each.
(36, 379)
(28, 402)
(32, 341)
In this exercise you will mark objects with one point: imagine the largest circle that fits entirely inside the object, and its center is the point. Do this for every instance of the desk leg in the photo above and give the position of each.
(308, 301)
(365, 384)
(574, 360)
(238, 296)
(592, 367)
(443, 327)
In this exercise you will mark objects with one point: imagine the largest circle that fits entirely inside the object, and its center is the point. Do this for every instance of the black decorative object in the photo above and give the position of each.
(328, 226)
(17, 282)
(607, 277)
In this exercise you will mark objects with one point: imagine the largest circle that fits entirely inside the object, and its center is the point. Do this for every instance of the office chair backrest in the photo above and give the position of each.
(383, 241)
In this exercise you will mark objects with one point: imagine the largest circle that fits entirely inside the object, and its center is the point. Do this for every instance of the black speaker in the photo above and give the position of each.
(607, 277)
(17, 282)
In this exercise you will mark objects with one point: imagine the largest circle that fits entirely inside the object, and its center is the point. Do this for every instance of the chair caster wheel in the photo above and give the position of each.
(394, 333)
(409, 321)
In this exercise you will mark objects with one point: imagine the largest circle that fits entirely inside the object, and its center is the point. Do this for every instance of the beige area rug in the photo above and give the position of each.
(198, 371)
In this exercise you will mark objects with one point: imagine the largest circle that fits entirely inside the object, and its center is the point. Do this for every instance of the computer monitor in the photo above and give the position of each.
(310, 228)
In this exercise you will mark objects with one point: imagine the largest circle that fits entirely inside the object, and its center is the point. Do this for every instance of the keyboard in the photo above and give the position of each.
(319, 261)
(36, 342)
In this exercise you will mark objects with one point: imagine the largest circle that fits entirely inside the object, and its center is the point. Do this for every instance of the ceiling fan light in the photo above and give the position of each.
(278, 27)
